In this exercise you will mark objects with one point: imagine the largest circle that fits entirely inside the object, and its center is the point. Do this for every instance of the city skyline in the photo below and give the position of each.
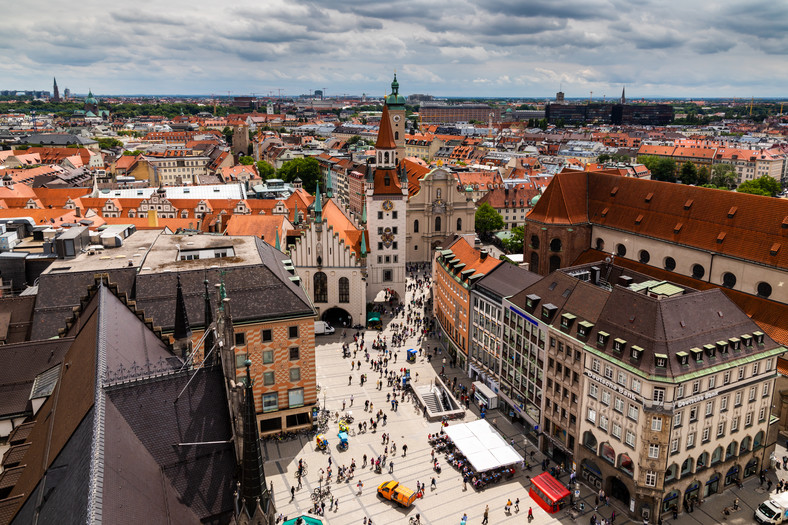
(500, 49)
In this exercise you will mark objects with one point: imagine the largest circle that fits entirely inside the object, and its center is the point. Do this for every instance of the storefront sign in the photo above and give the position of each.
(613, 386)
(695, 399)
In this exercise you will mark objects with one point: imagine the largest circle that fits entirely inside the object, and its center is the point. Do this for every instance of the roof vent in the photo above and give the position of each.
(677, 228)
(775, 248)
(732, 212)
(785, 222)
(649, 197)
(688, 204)
(614, 191)
(604, 212)
(720, 237)
(639, 219)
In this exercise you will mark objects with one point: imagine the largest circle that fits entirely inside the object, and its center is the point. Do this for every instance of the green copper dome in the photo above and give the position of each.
(534, 200)
(91, 99)
(395, 99)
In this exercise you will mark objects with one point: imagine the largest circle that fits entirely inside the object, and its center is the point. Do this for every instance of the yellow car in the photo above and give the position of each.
(393, 491)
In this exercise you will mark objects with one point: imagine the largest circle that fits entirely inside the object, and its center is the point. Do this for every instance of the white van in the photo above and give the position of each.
(322, 327)
(774, 510)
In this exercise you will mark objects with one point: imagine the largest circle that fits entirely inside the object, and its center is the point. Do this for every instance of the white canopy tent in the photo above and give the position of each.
(481, 444)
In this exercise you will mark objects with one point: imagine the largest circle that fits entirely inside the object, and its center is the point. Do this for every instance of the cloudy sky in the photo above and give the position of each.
(516, 48)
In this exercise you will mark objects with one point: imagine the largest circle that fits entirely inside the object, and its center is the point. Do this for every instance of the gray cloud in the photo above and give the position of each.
(443, 47)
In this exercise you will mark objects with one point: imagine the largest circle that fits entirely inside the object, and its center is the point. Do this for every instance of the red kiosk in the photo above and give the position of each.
(549, 493)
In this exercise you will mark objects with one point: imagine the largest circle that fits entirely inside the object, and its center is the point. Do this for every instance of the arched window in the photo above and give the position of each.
(758, 441)
(671, 473)
(621, 250)
(416, 226)
(607, 453)
(745, 445)
(555, 245)
(459, 225)
(670, 500)
(437, 224)
(728, 280)
(320, 282)
(600, 244)
(396, 135)
(716, 456)
(534, 266)
(670, 264)
(751, 468)
(386, 157)
(535, 242)
(344, 290)
(555, 263)
(733, 447)
(184, 214)
(686, 467)
(589, 441)
(698, 271)
(703, 461)
(626, 465)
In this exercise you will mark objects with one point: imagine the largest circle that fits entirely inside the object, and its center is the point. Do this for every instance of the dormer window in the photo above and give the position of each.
(660, 360)
(711, 350)
(584, 328)
(636, 352)
(683, 358)
(531, 301)
(619, 345)
(697, 354)
(758, 337)
(722, 347)
(734, 343)
(548, 311)
(601, 338)
(747, 340)
(567, 320)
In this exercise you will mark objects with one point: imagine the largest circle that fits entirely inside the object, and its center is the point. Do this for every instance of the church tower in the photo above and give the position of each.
(396, 108)
(55, 92)
(386, 203)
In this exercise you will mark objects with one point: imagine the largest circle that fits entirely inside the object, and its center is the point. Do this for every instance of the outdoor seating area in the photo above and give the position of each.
(477, 451)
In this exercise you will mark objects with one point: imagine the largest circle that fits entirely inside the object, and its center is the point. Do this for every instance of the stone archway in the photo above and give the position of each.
(618, 489)
(337, 317)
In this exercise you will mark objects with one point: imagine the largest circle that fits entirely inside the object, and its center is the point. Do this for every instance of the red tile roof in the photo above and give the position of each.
(385, 135)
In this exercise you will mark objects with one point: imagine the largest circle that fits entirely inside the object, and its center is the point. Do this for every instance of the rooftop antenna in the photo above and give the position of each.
(590, 97)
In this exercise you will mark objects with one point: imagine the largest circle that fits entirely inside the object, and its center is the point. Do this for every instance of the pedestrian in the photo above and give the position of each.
(336, 504)
(360, 486)
(486, 515)
(517, 505)
(343, 405)
(350, 380)
(507, 506)
(391, 467)
(736, 504)
(434, 484)
(464, 519)
(404, 450)
(300, 481)
(292, 493)
(351, 399)
(530, 514)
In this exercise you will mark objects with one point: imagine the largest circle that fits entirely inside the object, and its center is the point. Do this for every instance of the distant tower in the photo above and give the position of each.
(559, 97)
(55, 92)
(396, 110)
(91, 103)
(623, 95)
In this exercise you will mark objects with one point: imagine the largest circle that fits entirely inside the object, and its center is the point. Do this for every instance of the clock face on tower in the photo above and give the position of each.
(396, 118)
(387, 205)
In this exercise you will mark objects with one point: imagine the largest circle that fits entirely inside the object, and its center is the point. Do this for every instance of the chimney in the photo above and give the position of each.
(78, 211)
(595, 272)
(482, 254)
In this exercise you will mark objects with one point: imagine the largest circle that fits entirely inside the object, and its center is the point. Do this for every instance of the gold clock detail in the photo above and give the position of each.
(387, 205)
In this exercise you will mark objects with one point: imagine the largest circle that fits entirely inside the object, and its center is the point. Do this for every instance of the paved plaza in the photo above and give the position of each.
(448, 501)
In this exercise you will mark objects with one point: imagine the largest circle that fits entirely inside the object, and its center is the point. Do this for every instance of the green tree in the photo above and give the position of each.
(689, 173)
(602, 158)
(703, 176)
(307, 169)
(132, 153)
(265, 170)
(228, 135)
(109, 143)
(764, 185)
(488, 220)
(514, 243)
(661, 168)
(723, 176)
(246, 160)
